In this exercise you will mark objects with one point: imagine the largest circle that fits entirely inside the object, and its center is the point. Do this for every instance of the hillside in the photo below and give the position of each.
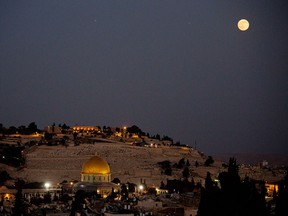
(127, 162)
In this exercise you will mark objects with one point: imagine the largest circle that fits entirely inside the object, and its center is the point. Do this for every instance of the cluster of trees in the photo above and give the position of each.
(158, 137)
(183, 184)
(12, 156)
(166, 167)
(281, 200)
(209, 161)
(238, 197)
(136, 130)
(182, 164)
(4, 176)
(30, 129)
(180, 185)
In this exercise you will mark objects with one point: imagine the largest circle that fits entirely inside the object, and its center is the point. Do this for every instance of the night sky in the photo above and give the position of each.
(177, 68)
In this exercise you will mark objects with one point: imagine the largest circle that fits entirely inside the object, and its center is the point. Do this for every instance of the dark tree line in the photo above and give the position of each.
(238, 198)
(30, 129)
(12, 156)
(182, 164)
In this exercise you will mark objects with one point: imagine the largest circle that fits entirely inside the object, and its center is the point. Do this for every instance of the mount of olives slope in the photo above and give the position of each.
(128, 163)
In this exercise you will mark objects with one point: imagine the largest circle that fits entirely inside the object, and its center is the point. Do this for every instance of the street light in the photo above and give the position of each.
(141, 187)
(47, 185)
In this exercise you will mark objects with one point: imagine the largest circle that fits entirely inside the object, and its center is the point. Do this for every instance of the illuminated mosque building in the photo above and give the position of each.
(96, 176)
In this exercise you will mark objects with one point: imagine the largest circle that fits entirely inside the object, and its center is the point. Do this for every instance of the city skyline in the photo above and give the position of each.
(178, 69)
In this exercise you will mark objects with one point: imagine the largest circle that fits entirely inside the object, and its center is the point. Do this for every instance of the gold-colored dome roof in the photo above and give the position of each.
(95, 165)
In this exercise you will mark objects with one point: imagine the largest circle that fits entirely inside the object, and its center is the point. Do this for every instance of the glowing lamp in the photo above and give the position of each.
(47, 185)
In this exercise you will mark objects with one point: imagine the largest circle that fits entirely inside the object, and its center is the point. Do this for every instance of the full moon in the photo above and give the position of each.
(243, 24)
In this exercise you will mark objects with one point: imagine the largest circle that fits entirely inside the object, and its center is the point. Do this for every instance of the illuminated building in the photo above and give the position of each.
(96, 177)
(85, 129)
(95, 170)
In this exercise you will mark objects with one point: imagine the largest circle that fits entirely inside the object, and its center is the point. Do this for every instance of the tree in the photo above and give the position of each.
(230, 179)
(187, 163)
(11, 130)
(104, 128)
(48, 136)
(4, 176)
(1, 128)
(131, 187)
(13, 156)
(112, 195)
(208, 181)
(47, 197)
(22, 129)
(186, 173)
(162, 185)
(77, 204)
(157, 136)
(168, 171)
(209, 202)
(233, 167)
(166, 167)
(167, 138)
(152, 191)
(235, 197)
(135, 130)
(124, 192)
(181, 163)
(75, 134)
(282, 199)
(209, 161)
(108, 130)
(116, 181)
(165, 164)
(32, 127)
(19, 204)
(64, 128)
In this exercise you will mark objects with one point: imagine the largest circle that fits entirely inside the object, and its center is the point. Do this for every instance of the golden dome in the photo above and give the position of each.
(95, 165)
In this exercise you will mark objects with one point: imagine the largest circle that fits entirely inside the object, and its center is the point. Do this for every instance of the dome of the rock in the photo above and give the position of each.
(95, 165)
(96, 176)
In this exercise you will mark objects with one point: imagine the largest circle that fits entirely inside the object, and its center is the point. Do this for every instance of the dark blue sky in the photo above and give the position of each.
(177, 68)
